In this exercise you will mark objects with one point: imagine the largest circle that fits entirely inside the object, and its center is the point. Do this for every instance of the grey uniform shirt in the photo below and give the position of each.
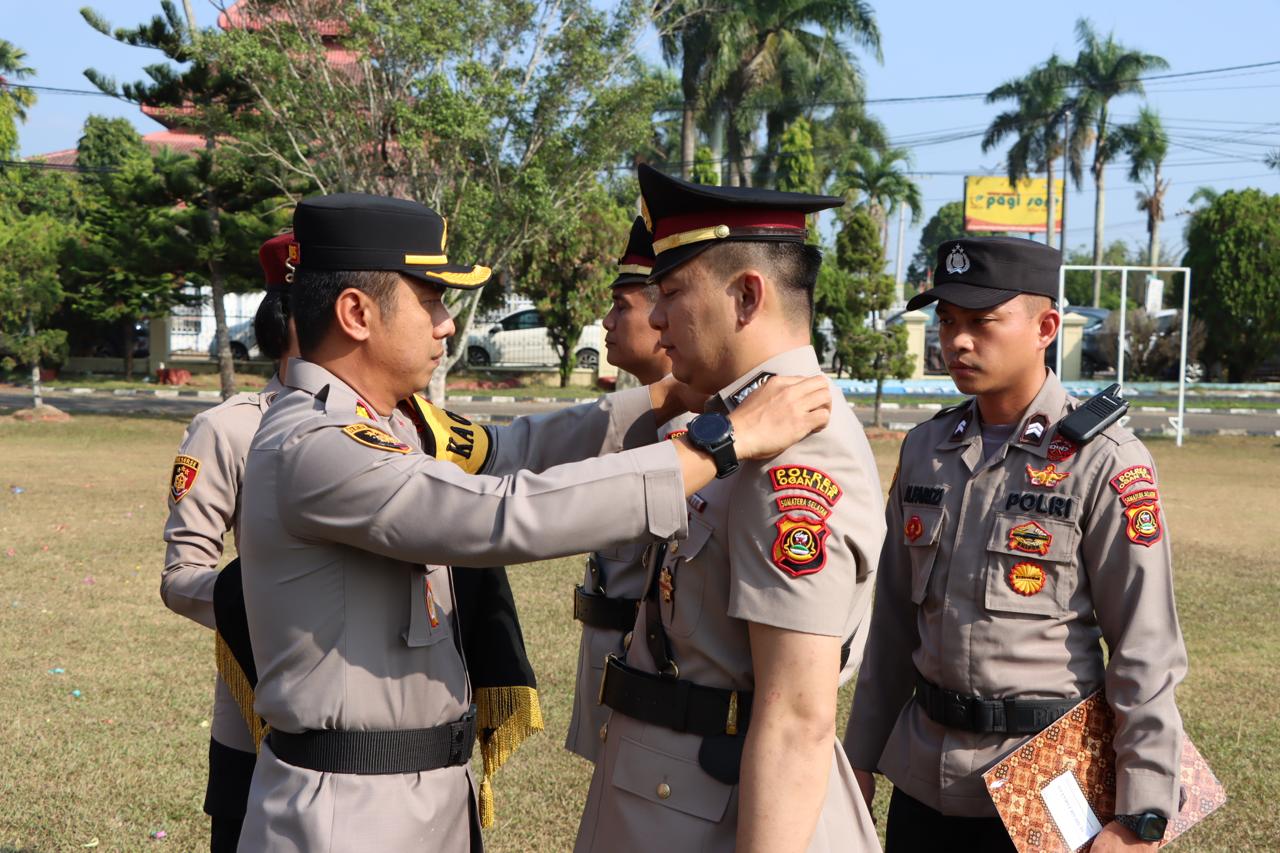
(347, 534)
(622, 574)
(791, 542)
(204, 504)
(999, 579)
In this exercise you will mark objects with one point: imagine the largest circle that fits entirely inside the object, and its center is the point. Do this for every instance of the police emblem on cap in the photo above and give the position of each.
(957, 261)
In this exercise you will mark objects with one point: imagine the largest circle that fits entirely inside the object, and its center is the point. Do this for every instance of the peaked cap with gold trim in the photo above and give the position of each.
(355, 231)
(637, 261)
(687, 219)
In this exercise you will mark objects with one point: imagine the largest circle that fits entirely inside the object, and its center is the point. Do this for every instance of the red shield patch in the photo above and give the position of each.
(914, 528)
(185, 471)
(1144, 524)
(801, 545)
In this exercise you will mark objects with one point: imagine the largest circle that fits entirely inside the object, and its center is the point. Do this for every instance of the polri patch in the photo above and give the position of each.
(1131, 475)
(807, 479)
(788, 503)
(674, 434)
(801, 545)
(913, 529)
(1041, 503)
(1046, 477)
(375, 438)
(185, 471)
(1027, 578)
(1030, 538)
(924, 495)
(1144, 526)
(1033, 432)
(1061, 449)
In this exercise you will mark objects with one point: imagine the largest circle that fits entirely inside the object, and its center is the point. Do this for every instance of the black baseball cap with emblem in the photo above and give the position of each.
(636, 262)
(355, 231)
(983, 272)
(687, 219)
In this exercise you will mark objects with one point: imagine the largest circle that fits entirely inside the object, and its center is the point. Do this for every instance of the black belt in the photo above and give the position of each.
(601, 611)
(374, 753)
(674, 703)
(985, 716)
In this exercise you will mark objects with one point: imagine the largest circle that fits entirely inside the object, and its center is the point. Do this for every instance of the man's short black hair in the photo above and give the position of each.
(314, 294)
(271, 324)
(794, 266)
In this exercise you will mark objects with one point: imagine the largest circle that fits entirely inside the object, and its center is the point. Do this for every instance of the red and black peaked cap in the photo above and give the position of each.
(355, 231)
(983, 272)
(637, 261)
(278, 256)
(687, 219)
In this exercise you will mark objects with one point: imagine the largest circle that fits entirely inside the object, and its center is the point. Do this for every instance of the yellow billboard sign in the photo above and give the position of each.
(993, 204)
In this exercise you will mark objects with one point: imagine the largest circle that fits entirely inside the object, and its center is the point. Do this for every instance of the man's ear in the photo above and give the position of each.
(1050, 321)
(749, 295)
(354, 312)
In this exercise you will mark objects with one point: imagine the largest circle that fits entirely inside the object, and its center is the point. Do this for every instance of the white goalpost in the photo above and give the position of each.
(1178, 421)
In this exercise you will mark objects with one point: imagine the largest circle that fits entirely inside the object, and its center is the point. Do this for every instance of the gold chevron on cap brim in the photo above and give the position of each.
(476, 277)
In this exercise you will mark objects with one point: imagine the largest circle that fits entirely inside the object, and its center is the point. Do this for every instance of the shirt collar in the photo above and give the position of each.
(801, 361)
(339, 398)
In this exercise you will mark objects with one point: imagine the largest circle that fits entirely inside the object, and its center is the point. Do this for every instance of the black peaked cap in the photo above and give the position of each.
(636, 262)
(983, 272)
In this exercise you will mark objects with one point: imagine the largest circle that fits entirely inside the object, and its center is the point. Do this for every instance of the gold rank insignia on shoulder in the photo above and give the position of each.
(185, 471)
(375, 438)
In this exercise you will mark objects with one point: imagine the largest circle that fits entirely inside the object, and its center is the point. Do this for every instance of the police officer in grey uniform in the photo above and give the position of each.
(204, 503)
(1012, 552)
(606, 601)
(722, 733)
(349, 531)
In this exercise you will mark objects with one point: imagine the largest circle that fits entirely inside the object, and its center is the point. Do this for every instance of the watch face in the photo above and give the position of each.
(1152, 827)
(709, 429)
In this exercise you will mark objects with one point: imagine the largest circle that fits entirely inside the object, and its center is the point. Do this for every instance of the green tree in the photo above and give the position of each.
(568, 274)
(1148, 145)
(1036, 123)
(945, 224)
(1078, 284)
(880, 179)
(705, 171)
(685, 34)
(870, 349)
(1233, 249)
(206, 95)
(796, 169)
(1105, 69)
(14, 100)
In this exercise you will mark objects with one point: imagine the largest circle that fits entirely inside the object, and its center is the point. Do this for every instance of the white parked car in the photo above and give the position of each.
(521, 338)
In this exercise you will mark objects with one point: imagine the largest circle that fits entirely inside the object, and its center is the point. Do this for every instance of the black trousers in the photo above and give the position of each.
(227, 794)
(913, 827)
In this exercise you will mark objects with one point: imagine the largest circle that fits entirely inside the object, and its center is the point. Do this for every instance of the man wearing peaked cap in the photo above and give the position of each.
(204, 503)
(351, 530)
(1013, 551)
(722, 731)
(606, 601)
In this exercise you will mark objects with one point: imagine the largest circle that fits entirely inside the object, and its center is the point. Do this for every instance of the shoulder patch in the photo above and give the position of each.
(377, 439)
(1133, 474)
(805, 478)
(185, 471)
(1144, 527)
(802, 503)
(674, 434)
(801, 545)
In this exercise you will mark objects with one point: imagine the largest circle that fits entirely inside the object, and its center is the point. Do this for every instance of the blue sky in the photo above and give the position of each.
(1220, 126)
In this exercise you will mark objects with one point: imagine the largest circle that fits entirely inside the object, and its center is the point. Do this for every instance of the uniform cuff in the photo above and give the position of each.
(631, 420)
(663, 490)
(1139, 791)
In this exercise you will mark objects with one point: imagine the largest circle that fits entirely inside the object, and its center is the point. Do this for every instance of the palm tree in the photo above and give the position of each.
(881, 181)
(1104, 69)
(1148, 145)
(753, 39)
(1037, 121)
(14, 100)
(685, 35)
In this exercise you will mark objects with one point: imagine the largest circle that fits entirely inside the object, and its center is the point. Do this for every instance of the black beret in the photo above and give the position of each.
(686, 219)
(982, 272)
(355, 231)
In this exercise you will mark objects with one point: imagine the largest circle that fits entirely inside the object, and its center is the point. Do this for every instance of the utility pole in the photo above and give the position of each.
(1066, 178)
(898, 271)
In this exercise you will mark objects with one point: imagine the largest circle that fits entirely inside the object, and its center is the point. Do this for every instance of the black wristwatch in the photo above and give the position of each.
(1148, 826)
(713, 434)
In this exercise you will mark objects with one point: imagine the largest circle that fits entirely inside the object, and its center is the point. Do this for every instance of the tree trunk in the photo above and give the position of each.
(733, 149)
(1051, 204)
(217, 287)
(126, 346)
(37, 399)
(1099, 203)
(688, 139)
(437, 389)
(879, 398)
(1153, 219)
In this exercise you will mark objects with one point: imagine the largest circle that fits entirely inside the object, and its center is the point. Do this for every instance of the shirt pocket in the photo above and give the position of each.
(428, 618)
(1031, 565)
(670, 783)
(921, 533)
(688, 580)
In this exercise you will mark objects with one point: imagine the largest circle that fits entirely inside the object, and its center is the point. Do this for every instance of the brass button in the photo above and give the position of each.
(675, 548)
(722, 231)
(664, 790)
(626, 640)
(604, 732)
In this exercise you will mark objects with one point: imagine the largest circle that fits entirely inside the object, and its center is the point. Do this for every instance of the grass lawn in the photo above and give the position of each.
(80, 557)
